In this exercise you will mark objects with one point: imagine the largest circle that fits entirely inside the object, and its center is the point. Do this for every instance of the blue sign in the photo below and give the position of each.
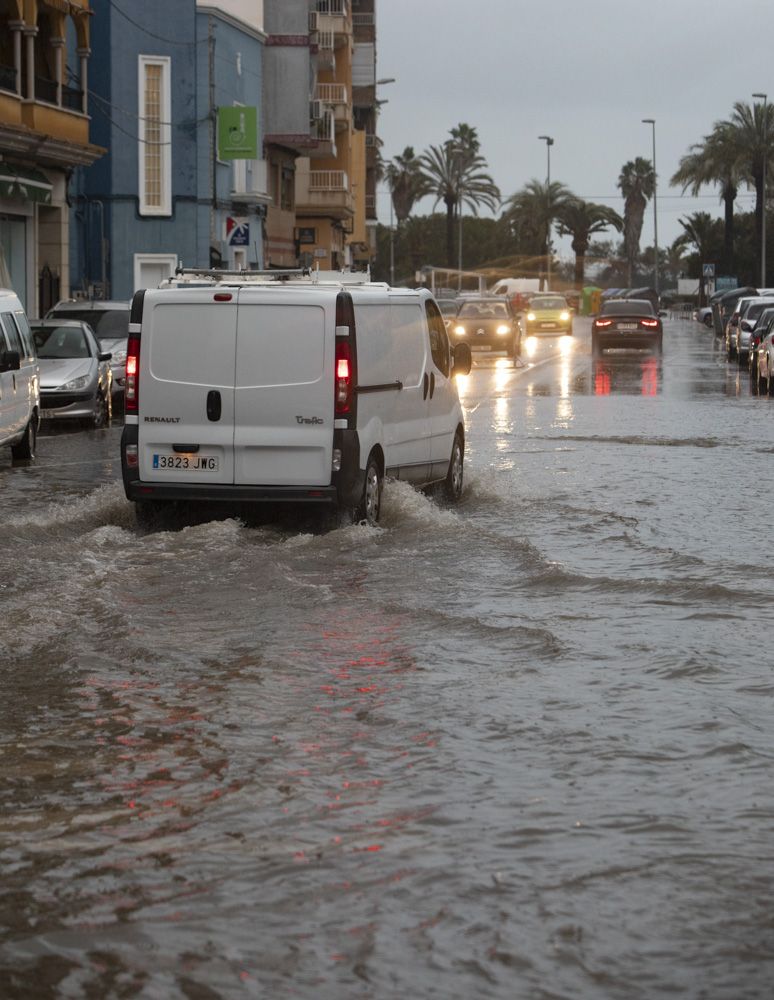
(237, 232)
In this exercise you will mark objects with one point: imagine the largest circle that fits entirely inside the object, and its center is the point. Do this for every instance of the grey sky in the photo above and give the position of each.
(585, 74)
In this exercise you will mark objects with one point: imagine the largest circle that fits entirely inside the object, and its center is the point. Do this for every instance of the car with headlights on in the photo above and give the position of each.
(627, 323)
(109, 319)
(486, 323)
(546, 314)
(76, 380)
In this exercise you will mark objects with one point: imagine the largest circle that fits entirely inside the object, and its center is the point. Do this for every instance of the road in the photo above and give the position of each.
(519, 748)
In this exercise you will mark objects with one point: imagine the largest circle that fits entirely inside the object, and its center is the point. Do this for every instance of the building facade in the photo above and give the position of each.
(45, 48)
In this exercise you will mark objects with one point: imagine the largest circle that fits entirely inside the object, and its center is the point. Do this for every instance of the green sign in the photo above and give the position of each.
(237, 134)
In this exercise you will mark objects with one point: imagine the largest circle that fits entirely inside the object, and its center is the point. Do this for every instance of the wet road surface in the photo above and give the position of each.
(521, 748)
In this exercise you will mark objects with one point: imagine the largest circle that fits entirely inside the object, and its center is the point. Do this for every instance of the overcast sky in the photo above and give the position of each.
(583, 73)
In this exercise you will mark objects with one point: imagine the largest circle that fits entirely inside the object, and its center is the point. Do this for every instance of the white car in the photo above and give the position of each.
(703, 315)
(19, 380)
(285, 389)
(748, 317)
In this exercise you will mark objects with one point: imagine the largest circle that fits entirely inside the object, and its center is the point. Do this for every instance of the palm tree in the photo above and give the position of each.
(700, 230)
(636, 181)
(407, 183)
(714, 160)
(746, 128)
(455, 173)
(581, 220)
(532, 210)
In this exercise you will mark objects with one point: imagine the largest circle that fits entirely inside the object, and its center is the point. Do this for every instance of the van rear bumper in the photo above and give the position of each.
(226, 493)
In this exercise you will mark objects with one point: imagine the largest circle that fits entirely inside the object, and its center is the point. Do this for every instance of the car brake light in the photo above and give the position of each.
(132, 375)
(649, 322)
(603, 322)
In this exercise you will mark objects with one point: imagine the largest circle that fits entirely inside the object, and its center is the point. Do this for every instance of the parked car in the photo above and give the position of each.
(75, 374)
(254, 390)
(546, 313)
(19, 380)
(703, 315)
(748, 317)
(109, 319)
(487, 323)
(626, 323)
(732, 323)
(757, 334)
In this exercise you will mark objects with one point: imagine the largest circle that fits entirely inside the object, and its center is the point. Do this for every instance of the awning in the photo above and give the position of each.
(24, 184)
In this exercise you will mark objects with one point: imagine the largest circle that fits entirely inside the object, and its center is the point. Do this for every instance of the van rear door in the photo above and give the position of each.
(285, 348)
(186, 385)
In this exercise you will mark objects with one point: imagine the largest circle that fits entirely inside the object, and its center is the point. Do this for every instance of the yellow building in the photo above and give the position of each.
(44, 134)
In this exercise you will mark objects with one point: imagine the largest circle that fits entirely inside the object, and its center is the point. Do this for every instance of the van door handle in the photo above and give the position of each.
(214, 405)
(425, 386)
(432, 384)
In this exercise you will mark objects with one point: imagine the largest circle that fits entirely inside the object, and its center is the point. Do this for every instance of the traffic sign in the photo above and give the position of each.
(708, 270)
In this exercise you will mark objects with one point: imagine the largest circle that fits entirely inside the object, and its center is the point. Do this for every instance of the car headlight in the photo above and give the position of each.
(502, 329)
(564, 316)
(531, 317)
(460, 331)
(77, 383)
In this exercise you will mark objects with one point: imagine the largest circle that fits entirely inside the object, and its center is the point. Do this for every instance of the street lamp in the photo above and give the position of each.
(549, 143)
(652, 123)
(763, 206)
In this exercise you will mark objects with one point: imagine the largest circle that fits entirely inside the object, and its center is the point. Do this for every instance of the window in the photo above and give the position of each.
(287, 189)
(439, 342)
(155, 135)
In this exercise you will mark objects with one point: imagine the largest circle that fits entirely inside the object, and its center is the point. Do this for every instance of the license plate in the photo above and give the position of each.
(483, 347)
(548, 326)
(186, 463)
(47, 414)
(627, 326)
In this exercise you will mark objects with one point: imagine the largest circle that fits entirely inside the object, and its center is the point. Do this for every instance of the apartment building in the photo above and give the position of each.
(45, 47)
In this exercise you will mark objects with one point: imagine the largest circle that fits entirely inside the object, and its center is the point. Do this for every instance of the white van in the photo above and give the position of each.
(288, 389)
(19, 380)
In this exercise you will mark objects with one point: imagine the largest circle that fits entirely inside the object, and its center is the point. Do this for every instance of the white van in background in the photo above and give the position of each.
(19, 380)
(280, 388)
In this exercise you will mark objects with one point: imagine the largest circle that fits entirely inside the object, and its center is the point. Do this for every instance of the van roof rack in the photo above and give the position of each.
(190, 275)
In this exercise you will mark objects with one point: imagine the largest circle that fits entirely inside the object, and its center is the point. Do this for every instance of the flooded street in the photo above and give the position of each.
(517, 749)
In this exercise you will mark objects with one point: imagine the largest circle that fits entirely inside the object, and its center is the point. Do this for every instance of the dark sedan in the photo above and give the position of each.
(627, 323)
(486, 324)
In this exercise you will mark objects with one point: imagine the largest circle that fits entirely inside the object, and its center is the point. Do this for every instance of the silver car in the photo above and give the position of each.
(109, 319)
(76, 380)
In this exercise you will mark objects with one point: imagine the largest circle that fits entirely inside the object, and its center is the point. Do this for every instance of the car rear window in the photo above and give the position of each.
(108, 324)
(628, 307)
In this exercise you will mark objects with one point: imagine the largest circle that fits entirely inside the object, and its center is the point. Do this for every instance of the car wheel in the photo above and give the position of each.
(151, 514)
(707, 321)
(24, 450)
(370, 505)
(452, 486)
(99, 417)
(769, 382)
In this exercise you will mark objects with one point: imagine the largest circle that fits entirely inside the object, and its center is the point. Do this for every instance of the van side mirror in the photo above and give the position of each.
(463, 360)
(10, 361)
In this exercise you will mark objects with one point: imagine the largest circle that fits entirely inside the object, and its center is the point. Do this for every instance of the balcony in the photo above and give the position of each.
(249, 182)
(323, 131)
(332, 15)
(8, 78)
(335, 96)
(326, 51)
(324, 193)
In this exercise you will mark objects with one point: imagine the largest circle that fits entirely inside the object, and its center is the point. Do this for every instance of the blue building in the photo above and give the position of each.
(160, 196)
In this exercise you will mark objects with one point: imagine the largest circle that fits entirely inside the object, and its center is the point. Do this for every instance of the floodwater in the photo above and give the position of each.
(517, 749)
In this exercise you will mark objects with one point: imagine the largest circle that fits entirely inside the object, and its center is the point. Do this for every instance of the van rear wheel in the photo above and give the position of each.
(24, 450)
(452, 486)
(370, 504)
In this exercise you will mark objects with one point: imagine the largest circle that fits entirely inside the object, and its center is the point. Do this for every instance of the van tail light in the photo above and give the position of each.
(650, 323)
(603, 322)
(131, 387)
(343, 386)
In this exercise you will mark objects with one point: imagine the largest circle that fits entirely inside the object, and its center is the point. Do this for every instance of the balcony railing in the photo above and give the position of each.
(72, 98)
(363, 20)
(45, 90)
(328, 180)
(8, 78)
(331, 93)
(337, 7)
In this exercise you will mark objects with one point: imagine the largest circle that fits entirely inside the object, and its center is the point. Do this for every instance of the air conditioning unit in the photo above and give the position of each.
(314, 21)
(316, 109)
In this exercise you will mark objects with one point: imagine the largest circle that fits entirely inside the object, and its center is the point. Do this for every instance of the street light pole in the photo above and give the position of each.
(549, 143)
(652, 123)
(763, 206)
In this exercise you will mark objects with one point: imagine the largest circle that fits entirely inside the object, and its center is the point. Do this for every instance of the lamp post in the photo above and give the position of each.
(763, 206)
(549, 143)
(652, 123)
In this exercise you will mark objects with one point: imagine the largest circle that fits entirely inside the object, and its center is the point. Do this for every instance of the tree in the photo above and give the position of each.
(407, 183)
(701, 231)
(636, 182)
(581, 220)
(456, 175)
(714, 161)
(532, 210)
